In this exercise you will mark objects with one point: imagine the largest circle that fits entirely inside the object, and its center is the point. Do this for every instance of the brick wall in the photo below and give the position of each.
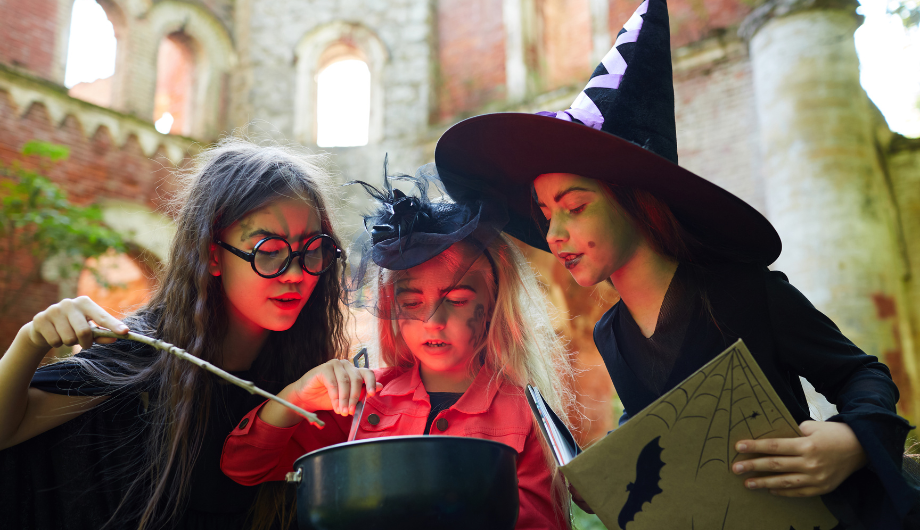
(717, 133)
(175, 81)
(471, 56)
(28, 35)
(691, 20)
(97, 169)
(567, 42)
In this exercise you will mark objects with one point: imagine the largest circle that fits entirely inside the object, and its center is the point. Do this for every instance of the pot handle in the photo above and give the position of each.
(294, 477)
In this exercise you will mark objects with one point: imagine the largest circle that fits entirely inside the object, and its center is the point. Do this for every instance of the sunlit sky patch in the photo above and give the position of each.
(889, 63)
(343, 101)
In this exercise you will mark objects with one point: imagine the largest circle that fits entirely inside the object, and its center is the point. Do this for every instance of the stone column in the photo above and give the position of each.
(517, 16)
(825, 191)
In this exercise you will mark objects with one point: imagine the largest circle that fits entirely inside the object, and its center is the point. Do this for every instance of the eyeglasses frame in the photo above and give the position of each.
(251, 256)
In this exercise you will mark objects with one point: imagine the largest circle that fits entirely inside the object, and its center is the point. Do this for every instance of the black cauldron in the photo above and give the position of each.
(408, 482)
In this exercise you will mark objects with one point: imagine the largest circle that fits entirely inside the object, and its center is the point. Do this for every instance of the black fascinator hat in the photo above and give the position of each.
(619, 130)
(403, 231)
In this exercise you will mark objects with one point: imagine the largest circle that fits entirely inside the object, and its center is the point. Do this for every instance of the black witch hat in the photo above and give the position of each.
(620, 130)
(403, 231)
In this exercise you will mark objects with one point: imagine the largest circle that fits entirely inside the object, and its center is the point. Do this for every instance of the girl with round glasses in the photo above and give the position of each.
(272, 256)
(125, 435)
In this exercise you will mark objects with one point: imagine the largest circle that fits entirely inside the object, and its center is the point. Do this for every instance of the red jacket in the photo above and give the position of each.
(257, 452)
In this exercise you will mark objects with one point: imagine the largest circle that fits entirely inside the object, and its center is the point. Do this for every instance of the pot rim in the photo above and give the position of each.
(394, 439)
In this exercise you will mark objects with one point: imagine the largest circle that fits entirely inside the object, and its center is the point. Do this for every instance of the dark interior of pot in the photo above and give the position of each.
(409, 482)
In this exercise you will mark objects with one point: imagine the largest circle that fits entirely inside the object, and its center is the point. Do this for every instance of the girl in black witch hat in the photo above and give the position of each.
(599, 186)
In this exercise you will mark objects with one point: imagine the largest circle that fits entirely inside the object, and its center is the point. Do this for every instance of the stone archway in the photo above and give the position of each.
(214, 57)
(119, 283)
(310, 52)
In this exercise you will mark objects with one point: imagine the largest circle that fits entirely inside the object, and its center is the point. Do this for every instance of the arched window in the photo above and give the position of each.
(339, 86)
(343, 102)
(172, 106)
(127, 282)
(90, 54)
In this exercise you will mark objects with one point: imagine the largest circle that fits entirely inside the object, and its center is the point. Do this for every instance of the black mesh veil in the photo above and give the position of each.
(404, 231)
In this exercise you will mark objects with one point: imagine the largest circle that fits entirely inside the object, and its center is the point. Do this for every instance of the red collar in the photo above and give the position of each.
(476, 400)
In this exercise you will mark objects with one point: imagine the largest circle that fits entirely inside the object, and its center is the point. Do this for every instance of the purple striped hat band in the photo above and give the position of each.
(584, 109)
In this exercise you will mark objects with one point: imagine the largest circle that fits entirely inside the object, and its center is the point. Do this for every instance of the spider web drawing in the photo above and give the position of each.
(730, 396)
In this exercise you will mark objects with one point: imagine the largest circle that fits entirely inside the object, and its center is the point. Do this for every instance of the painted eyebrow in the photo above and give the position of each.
(268, 233)
(401, 290)
(463, 287)
(565, 192)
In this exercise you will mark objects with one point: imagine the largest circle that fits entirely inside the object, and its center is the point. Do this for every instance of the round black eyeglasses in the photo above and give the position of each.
(272, 256)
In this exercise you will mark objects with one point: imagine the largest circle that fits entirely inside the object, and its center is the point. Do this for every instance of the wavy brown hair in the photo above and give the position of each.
(224, 184)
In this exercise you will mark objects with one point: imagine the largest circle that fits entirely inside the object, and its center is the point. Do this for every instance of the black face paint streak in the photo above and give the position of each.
(590, 244)
(245, 228)
(476, 324)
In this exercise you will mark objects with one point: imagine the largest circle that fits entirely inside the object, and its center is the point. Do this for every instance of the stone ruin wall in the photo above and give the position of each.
(115, 160)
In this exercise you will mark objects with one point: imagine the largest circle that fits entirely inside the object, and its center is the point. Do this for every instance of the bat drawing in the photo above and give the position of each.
(695, 426)
(644, 489)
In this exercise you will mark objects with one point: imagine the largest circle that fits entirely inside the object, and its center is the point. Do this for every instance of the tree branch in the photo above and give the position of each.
(182, 354)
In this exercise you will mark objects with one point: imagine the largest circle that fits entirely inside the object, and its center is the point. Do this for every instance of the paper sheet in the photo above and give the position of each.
(670, 465)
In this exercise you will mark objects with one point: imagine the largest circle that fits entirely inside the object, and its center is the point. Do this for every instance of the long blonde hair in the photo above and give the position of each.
(520, 346)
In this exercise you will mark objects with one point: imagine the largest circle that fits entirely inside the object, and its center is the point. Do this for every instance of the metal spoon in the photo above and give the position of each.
(359, 407)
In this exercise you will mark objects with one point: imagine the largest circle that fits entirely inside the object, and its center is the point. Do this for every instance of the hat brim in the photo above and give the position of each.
(507, 151)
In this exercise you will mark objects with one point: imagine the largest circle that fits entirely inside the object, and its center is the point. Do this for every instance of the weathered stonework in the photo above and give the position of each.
(717, 129)
(824, 187)
(115, 160)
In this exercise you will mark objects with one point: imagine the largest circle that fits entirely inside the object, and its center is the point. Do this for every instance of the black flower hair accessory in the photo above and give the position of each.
(403, 231)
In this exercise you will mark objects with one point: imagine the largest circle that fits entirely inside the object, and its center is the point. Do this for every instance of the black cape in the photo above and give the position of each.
(789, 338)
(75, 475)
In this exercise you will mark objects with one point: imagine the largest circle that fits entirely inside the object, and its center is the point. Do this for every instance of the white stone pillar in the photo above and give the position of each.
(515, 43)
(824, 189)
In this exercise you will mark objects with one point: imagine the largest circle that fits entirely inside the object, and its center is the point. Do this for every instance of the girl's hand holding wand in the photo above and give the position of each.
(26, 412)
(66, 323)
(812, 465)
(335, 385)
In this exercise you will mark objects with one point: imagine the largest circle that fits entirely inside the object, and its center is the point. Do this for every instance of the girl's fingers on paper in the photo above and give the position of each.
(786, 481)
(775, 446)
(774, 464)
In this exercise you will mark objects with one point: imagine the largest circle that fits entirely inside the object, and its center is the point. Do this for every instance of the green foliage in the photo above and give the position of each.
(585, 521)
(52, 152)
(35, 216)
(908, 10)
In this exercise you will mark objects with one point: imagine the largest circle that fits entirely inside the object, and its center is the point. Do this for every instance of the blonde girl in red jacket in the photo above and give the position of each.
(462, 328)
